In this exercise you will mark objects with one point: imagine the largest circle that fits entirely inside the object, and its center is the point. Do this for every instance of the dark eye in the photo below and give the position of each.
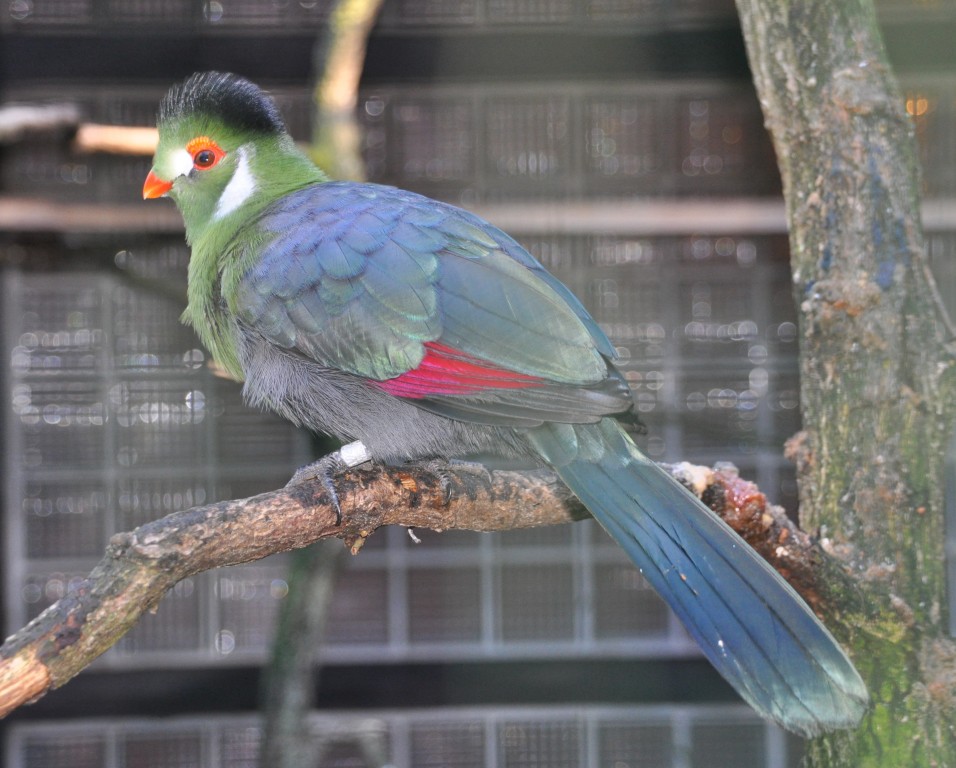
(205, 158)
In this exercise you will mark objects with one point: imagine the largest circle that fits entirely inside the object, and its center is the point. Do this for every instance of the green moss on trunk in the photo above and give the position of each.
(876, 398)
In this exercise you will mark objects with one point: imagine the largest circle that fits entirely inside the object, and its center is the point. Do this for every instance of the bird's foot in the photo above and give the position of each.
(443, 469)
(326, 468)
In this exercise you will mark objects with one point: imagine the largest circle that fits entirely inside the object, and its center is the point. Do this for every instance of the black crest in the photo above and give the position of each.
(231, 98)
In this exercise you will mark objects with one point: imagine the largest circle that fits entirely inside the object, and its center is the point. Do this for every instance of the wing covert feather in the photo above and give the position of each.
(358, 277)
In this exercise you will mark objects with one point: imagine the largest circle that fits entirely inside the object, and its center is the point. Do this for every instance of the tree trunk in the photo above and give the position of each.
(877, 382)
(290, 679)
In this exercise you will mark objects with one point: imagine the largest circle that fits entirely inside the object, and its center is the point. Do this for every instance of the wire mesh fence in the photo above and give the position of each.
(508, 737)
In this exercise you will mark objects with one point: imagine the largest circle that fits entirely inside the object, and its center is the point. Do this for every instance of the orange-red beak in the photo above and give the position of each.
(155, 186)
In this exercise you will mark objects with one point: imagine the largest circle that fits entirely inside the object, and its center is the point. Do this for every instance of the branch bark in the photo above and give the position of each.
(877, 382)
(140, 566)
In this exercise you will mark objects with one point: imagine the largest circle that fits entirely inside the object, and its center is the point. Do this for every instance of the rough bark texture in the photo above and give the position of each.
(877, 382)
(142, 565)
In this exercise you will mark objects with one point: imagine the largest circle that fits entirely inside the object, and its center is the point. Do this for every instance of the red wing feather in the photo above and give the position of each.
(446, 371)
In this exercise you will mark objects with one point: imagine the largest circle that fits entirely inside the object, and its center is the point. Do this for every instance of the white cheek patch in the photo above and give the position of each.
(181, 163)
(241, 186)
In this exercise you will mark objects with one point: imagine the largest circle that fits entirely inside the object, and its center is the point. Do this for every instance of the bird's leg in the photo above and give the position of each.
(348, 456)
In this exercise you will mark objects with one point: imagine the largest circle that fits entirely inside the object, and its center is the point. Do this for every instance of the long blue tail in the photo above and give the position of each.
(748, 621)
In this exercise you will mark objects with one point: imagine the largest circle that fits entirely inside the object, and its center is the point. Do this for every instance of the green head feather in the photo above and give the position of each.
(224, 155)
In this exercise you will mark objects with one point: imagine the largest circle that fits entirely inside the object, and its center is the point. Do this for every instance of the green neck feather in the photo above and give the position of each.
(224, 245)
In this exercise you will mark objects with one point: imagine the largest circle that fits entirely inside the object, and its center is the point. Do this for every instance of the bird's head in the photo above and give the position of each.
(222, 145)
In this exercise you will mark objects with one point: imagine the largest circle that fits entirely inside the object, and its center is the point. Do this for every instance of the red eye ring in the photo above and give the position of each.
(205, 153)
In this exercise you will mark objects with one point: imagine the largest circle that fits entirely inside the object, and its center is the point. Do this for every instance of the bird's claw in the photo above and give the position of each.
(439, 469)
(348, 456)
(444, 470)
(324, 470)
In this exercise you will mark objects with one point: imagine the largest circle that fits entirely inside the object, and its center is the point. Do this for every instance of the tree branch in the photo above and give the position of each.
(140, 566)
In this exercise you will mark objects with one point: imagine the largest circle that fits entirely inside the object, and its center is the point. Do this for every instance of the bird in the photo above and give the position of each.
(413, 331)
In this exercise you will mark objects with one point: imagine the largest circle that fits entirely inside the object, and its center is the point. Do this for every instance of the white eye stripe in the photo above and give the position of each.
(241, 186)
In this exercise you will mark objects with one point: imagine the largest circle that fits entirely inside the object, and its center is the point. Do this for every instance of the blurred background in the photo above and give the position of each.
(622, 143)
